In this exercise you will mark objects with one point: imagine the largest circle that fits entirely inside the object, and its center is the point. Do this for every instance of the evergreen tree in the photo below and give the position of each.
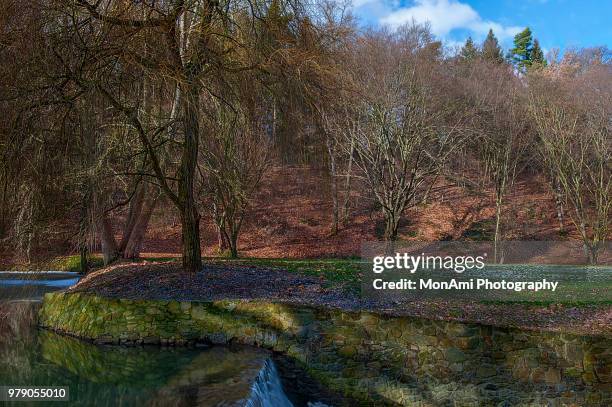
(520, 55)
(469, 52)
(491, 51)
(537, 55)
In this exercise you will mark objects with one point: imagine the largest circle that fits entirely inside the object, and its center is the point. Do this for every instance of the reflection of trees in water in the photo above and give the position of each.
(105, 375)
(148, 367)
(218, 376)
(21, 292)
(17, 338)
(183, 376)
(17, 319)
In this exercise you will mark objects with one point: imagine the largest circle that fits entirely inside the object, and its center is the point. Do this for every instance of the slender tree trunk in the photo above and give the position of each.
(134, 213)
(593, 254)
(591, 248)
(24, 228)
(225, 240)
(347, 186)
(190, 219)
(82, 236)
(497, 256)
(560, 214)
(233, 245)
(235, 226)
(334, 186)
(4, 208)
(110, 251)
(221, 240)
(221, 237)
(222, 244)
(391, 225)
(274, 141)
(134, 243)
(556, 187)
(83, 262)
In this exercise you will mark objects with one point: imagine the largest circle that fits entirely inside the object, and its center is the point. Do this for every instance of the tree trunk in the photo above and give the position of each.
(219, 221)
(221, 239)
(347, 186)
(233, 246)
(235, 225)
(558, 201)
(110, 251)
(4, 208)
(591, 248)
(83, 262)
(192, 257)
(334, 186)
(134, 243)
(391, 225)
(134, 214)
(593, 254)
(82, 236)
(190, 219)
(497, 256)
(24, 226)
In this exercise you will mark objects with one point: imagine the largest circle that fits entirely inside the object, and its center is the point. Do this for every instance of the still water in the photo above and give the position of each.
(15, 285)
(119, 376)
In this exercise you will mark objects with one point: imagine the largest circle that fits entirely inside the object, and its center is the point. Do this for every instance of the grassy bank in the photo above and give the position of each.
(346, 273)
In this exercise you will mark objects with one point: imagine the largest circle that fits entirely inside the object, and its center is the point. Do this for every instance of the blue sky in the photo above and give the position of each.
(556, 23)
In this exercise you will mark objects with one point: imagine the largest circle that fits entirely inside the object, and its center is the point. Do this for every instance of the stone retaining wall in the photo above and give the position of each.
(379, 360)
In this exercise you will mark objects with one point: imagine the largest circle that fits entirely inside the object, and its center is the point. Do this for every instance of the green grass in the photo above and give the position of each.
(347, 273)
(344, 272)
(62, 263)
(73, 263)
(545, 303)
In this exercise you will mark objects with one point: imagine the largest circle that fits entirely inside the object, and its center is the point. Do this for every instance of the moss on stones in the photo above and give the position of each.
(375, 359)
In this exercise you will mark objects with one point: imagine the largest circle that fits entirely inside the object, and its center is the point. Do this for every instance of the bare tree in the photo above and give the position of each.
(338, 126)
(502, 134)
(197, 44)
(400, 128)
(234, 159)
(572, 117)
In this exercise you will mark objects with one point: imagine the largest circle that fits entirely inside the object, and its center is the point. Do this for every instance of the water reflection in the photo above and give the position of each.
(114, 376)
(119, 376)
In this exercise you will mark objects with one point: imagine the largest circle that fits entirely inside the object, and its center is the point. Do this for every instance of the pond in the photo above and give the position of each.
(15, 285)
(98, 375)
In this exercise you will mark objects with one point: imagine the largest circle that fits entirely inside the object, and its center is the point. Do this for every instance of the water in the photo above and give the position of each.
(33, 285)
(119, 376)
(268, 390)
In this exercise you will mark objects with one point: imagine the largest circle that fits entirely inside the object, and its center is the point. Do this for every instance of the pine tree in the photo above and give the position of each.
(469, 52)
(491, 51)
(537, 55)
(520, 55)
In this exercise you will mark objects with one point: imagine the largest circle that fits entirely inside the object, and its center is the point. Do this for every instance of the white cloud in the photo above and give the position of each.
(444, 16)
(359, 3)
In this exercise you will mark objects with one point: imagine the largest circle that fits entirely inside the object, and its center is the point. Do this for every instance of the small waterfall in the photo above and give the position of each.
(267, 391)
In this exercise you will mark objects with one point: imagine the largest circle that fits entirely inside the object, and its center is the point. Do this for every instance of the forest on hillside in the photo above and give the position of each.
(116, 112)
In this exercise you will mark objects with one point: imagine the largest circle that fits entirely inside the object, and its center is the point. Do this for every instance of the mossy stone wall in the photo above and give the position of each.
(377, 359)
